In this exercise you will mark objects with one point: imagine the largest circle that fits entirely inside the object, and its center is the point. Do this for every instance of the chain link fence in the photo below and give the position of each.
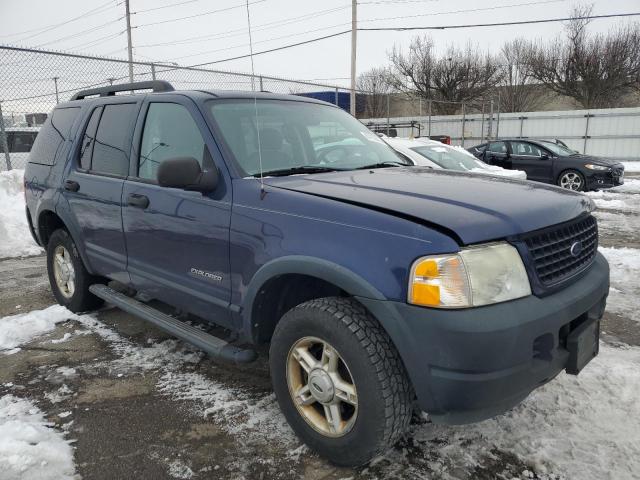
(34, 81)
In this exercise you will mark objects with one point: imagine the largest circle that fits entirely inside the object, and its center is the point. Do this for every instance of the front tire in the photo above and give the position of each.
(68, 277)
(572, 180)
(339, 380)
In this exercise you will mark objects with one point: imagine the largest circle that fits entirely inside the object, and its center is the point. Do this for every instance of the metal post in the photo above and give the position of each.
(55, 83)
(388, 114)
(420, 107)
(336, 97)
(354, 33)
(464, 119)
(261, 86)
(521, 126)
(482, 124)
(498, 119)
(153, 71)
(3, 139)
(129, 43)
(490, 126)
(586, 133)
(430, 107)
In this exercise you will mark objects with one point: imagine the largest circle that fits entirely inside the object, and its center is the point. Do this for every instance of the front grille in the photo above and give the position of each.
(551, 249)
(616, 172)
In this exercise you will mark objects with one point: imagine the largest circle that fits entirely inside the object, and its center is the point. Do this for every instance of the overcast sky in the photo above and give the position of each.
(102, 31)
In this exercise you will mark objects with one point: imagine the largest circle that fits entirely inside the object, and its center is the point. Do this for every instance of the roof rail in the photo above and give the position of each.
(155, 85)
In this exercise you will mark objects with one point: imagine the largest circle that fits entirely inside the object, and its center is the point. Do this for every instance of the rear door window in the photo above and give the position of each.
(88, 139)
(498, 147)
(525, 149)
(112, 141)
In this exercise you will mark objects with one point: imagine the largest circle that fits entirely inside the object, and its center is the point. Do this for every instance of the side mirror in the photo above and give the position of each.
(185, 173)
(545, 156)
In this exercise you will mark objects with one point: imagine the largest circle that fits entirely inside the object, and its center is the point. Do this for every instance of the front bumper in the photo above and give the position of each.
(599, 180)
(472, 364)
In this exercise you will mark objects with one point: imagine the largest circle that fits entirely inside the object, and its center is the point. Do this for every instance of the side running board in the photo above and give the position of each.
(214, 346)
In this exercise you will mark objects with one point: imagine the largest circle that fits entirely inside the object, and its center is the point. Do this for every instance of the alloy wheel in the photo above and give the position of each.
(322, 387)
(571, 181)
(64, 272)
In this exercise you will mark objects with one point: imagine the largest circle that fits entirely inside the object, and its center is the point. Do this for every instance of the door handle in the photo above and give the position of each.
(139, 201)
(71, 186)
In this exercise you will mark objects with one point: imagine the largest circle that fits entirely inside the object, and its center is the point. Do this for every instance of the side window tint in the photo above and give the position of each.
(498, 147)
(111, 147)
(88, 139)
(169, 132)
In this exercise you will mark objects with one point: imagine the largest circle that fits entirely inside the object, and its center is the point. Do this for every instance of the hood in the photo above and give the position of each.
(593, 159)
(501, 172)
(474, 208)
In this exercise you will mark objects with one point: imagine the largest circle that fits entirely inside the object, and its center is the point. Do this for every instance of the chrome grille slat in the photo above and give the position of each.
(550, 250)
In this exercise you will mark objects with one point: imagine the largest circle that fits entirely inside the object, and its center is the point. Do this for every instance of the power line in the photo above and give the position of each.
(440, 27)
(469, 10)
(98, 41)
(258, 28)
(165, 6)
(79, 34)
(499, 24)
(202, 14)
(41, 30)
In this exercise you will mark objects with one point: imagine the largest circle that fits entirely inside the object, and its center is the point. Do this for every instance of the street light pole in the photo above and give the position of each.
(354, 34)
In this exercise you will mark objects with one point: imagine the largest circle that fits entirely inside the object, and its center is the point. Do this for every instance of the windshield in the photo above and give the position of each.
(558, 149)
(449, 158)
(298, 136)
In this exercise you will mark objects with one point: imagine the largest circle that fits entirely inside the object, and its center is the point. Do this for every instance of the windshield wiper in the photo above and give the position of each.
(385, 164)
(283, 172)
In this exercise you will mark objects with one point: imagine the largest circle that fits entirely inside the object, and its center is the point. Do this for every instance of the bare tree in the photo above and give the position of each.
(595, 70)
(519, 92)
(374, 85)
(461, 75)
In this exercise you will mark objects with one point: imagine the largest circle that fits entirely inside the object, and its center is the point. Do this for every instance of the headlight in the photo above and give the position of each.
(473, 277)
(591, 166)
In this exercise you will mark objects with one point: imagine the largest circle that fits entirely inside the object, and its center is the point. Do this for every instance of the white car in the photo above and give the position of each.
(433, 154)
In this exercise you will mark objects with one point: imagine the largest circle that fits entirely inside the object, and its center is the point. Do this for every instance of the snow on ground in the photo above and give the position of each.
(29, 447)
(14, 230)
(624, 293)
(22, 328)
(631, 185)
(631, 167)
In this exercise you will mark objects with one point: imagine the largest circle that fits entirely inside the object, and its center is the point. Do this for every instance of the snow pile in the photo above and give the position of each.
(625, 288)
(29, 447)
(22, 328)
(630, 186)
(631, 167)
(14, 230)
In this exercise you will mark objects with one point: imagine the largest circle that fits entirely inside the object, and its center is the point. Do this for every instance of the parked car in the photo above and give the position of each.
(378, 286)
(550, 162)
(19, 140)
(433, 154)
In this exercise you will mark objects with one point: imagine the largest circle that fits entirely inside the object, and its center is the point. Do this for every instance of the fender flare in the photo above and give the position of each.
(325, 270)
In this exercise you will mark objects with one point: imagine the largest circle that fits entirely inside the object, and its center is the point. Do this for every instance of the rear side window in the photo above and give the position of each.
(111, 147)
(55, 131)
(88, 139)
(498, 147)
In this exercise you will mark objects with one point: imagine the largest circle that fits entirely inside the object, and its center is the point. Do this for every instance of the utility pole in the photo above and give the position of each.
(55, 82)
(354, 34)
(129, 44)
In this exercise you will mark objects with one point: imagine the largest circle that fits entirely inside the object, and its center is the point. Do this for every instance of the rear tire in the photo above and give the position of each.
(68, 277)
(367, 389)
(572, 180)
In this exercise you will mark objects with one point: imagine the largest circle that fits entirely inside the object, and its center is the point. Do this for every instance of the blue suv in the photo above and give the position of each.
(283, 220)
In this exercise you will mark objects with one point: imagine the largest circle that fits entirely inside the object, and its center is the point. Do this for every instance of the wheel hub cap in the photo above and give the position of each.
(321, 386)
(63, 271)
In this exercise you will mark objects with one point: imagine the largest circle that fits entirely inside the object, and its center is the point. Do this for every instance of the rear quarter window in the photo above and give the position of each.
(55, 131)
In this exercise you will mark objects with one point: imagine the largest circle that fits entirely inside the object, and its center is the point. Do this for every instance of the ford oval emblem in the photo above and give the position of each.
(576, 248)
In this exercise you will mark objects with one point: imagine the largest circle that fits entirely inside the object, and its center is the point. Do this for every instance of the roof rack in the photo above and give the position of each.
(154, 85)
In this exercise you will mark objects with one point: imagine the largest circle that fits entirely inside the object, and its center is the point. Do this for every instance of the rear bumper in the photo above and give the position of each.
(469, 365)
